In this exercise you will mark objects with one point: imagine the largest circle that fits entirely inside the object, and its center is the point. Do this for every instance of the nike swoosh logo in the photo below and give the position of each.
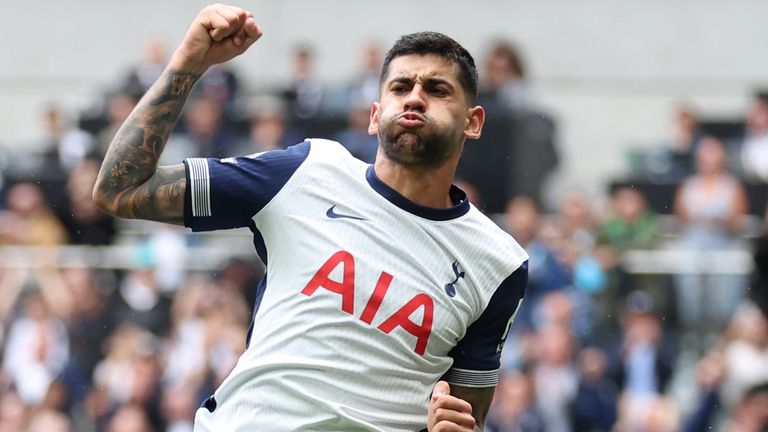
(331, 213)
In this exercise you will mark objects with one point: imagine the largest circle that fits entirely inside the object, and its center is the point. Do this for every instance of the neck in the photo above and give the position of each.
(427, 187)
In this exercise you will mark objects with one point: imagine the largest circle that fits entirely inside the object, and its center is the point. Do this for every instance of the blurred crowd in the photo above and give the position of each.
(599, 344)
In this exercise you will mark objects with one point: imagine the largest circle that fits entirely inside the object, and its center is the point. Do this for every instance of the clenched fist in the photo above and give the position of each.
(218, 34)
(448, 413)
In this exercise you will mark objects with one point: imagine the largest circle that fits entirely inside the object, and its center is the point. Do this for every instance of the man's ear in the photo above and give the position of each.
(475, 121)
(373, 124)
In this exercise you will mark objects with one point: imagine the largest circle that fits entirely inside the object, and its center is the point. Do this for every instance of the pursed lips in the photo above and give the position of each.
(411, 119)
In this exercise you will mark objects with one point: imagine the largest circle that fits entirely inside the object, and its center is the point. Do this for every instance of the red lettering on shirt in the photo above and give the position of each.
(346, 288)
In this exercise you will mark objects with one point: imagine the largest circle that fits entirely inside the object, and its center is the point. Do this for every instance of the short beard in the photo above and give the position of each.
(416, 149)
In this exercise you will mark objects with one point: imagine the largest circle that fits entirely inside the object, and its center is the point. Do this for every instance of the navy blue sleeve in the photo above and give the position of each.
(227, 193)
(476, 358)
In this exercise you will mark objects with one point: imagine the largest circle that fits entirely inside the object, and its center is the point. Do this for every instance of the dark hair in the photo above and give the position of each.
(762, 96)
(428, 42)
(509, 53)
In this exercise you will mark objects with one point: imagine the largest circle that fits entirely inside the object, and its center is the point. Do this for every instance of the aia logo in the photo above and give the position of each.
(347, 290)
(450, 288)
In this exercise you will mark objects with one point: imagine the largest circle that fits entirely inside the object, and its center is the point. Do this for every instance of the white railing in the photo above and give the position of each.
(115, 257)
(688, 262)
(213, 255)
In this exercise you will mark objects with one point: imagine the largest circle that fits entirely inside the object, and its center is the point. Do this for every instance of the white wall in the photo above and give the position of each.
(610, 71)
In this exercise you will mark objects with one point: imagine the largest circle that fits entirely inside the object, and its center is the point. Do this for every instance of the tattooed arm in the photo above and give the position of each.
(130, 184)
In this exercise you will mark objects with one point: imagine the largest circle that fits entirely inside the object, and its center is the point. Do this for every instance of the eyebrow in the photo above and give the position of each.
(428, 82)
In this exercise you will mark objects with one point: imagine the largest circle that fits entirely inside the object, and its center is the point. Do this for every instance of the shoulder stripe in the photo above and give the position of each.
(472, 378)
(200, 184)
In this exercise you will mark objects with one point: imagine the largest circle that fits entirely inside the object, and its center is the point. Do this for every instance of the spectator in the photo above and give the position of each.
(205, 134)
(130, 418)
(185, 354)
(514, 157)
(119, 105)
(89, 325)
(304, 95)
(146, 391)
(365, 85)
(84, 222)
(759, 282)
(208, 334)
(546, 275)
(96, 410)
(751, 414)
(518, 150)
(11, 285)
(567, 309)
(224, 327)
(117, 373)
(577, 222)
(754, 148)
(709, 375)
(546, 272)
(642, 365)
(268, 131)
(684, 144)
(220, 85)
(178, 406)
(642, 359)
(141, 76)
(65, 145)
(555, 377)
(745, 355)
(37, 349)
(355, 137)
(630, 224)
(242, 277)
(513, 408)
(712, 206)
(28, 220)
(139, 300)
(594, 406)
(504, 79)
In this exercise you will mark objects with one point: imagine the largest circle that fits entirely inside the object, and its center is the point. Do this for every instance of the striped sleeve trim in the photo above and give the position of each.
(200, 186)
(472, 378)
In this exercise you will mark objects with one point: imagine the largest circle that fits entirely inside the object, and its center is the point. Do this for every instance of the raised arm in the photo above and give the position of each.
(130, 184)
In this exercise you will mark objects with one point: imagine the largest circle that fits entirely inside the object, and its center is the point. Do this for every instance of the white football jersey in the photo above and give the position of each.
(369, 299)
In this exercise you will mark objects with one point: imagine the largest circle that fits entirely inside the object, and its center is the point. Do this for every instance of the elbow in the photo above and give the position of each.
(103, 201)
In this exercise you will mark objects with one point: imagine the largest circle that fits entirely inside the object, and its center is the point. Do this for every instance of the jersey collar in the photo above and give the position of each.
(458, 197)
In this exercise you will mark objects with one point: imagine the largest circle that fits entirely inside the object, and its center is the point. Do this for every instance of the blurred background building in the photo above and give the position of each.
(626, 148)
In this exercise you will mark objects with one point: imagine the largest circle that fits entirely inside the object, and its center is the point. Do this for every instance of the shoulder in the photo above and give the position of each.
(327, 146)
(492, 257)
(498, 241)
(332, 154)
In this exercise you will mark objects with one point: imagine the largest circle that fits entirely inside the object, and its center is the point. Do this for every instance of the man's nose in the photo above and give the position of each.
(416, 100)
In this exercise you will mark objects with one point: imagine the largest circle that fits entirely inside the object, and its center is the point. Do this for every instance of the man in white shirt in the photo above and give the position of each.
(384, 284)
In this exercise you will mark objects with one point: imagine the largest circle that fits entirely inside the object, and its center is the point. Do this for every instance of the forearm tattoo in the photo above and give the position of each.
(130, 183)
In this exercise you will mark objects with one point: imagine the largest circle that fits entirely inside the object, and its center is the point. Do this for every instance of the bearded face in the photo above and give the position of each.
(423, 117)
(428, 145)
